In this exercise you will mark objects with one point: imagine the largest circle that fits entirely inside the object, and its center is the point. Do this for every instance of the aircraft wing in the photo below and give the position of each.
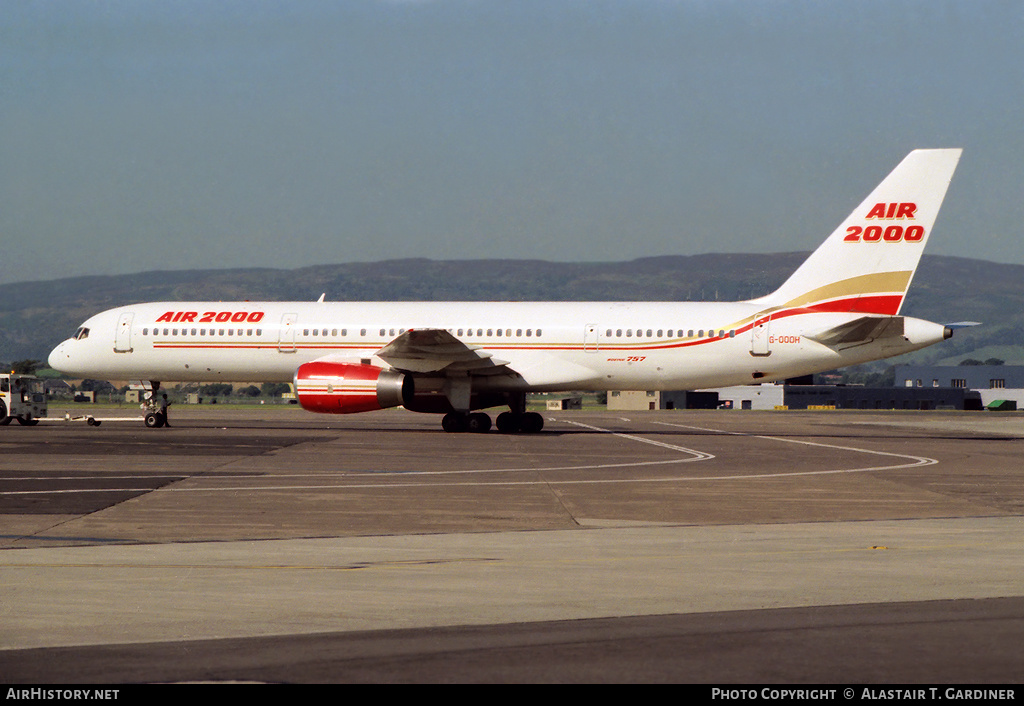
(436, 350)
(859, 331)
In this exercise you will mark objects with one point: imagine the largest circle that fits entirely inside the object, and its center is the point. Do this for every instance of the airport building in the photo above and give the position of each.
(632, 400)
(785, 396)
(993, 383)
(923, 387)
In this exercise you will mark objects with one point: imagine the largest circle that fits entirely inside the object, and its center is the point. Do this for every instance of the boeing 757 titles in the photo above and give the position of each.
(841, 307)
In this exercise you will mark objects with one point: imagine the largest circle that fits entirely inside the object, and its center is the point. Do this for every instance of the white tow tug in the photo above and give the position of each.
(22, 398)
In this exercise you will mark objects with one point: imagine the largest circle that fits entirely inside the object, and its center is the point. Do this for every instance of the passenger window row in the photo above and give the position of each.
(467, 332)
(203, 332)
(670, 333)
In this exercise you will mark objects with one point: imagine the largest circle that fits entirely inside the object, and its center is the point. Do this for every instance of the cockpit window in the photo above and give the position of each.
(81, 333)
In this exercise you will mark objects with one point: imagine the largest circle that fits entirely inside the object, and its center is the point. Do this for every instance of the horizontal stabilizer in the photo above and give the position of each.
(860, 331)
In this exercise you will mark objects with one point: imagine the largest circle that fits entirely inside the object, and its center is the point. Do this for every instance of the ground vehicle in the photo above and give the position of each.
(22, 397)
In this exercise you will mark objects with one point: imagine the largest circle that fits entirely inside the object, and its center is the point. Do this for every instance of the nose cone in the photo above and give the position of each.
(59, 358)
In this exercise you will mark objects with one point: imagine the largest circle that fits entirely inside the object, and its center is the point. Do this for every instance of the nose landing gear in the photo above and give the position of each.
(155, 410)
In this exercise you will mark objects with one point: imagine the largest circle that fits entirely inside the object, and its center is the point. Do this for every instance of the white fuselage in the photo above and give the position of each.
(538, 346)
(840, 307)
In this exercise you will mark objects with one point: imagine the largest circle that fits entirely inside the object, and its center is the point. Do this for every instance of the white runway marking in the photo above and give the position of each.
(699, 455)
(692, 455)
(916, 461)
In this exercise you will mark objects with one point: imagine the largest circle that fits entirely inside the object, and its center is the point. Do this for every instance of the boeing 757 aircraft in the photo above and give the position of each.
(841, 307)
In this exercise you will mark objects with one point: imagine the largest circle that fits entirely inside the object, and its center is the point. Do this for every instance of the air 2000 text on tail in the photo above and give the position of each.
(841, 307)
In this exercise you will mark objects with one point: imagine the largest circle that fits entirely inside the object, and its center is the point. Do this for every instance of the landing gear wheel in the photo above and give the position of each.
(4, 419)
(531, 422)
(507, 422)
(453, 423)
(527, 422)
(154, 420)
(478, 422)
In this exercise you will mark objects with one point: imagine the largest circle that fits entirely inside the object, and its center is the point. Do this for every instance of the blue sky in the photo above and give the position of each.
(263, 133)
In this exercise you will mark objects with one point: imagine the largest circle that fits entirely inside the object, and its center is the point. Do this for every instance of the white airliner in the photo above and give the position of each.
(841, 307)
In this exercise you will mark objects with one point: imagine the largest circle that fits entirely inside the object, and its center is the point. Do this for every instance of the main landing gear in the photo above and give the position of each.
(507, 422)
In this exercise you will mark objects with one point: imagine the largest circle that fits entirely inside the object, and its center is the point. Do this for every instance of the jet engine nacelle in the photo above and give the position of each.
(344, 388)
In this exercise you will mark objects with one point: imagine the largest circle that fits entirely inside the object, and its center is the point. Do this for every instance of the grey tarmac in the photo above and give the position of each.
(274, 545)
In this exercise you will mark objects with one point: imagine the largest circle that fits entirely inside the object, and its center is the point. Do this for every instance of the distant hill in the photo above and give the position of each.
(35, 316)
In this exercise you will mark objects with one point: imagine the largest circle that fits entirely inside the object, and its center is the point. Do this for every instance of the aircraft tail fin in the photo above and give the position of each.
(866, 265)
